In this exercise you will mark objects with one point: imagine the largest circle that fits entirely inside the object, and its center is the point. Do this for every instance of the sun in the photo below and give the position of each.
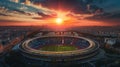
(59, 20)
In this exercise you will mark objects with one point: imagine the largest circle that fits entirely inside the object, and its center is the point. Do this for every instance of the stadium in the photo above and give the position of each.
(59, 46)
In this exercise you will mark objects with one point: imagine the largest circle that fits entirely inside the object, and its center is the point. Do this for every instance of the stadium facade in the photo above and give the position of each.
(56, 47)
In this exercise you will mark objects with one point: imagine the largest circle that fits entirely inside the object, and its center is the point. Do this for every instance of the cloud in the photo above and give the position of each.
(82, 7)
(111, 21)
(66, 4)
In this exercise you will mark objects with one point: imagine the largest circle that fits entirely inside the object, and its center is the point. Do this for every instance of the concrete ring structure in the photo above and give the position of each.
(28, 48)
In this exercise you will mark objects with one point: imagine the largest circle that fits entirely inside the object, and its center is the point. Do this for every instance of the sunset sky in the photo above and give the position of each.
(72, 12)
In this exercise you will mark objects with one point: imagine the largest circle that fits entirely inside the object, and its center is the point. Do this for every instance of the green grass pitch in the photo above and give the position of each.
(58, 48)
